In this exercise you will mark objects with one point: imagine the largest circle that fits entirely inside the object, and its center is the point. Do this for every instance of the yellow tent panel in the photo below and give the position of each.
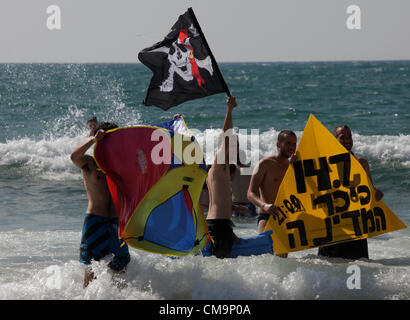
(326, 197)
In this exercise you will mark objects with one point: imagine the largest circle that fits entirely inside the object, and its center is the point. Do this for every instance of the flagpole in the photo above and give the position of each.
(218, 72)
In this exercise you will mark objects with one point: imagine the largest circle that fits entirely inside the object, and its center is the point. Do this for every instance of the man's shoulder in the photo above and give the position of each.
(89, 163)
(270, 161)
(216, 170)
(264, 165)
(362, 160)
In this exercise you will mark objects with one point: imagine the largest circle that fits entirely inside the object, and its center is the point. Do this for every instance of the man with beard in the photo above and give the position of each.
(352, 249)
(268, 175)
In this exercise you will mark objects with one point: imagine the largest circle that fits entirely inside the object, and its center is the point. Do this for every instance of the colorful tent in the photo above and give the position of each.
(155, 174)
(326, 197)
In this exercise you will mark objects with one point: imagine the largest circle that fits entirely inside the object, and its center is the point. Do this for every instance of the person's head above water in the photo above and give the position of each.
(106, 126)
(92, 124)
(286, 143)
(343, 134)
(92, 120)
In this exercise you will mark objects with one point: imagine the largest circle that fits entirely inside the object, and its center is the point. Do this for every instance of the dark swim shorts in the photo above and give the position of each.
(263, 216)
(100, 238)
(347, 250)
(221, 231)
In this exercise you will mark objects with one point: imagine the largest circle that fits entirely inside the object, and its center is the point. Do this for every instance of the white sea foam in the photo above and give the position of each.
(46, 158)
(49, 157)
(384, 148)
(43, 265)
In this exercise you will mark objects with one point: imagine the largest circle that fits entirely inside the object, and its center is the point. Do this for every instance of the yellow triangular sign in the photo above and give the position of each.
(326, 197)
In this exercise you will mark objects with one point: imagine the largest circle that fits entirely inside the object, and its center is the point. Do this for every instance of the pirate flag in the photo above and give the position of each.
(183, 66)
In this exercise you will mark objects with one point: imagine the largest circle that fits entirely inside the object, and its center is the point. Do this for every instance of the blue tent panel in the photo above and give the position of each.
(172, 225)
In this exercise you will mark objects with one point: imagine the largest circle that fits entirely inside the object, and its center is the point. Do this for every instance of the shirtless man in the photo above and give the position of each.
(352, 249)
(220, 196)
(268, 175)
(100, 230)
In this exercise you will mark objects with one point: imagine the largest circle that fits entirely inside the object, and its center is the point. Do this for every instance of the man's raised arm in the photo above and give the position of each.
(78, 156)
(223, 150)
(230, 105)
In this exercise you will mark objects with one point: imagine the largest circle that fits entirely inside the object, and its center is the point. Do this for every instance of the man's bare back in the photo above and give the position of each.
(219, 188)
(95, 183)
(220, 196)
(219, 177)
(99, 198)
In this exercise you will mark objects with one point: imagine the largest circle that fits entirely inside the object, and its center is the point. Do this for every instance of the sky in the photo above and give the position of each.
(236, 30)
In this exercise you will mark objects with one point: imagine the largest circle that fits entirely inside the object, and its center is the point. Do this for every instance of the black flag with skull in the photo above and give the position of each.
(183, 66)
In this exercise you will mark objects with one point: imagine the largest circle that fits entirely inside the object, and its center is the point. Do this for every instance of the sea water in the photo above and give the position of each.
(43, 114)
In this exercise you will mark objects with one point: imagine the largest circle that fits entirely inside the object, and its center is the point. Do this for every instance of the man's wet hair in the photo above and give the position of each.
(106, 126)
(93, 119)
(343, 126)
(284, 134)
